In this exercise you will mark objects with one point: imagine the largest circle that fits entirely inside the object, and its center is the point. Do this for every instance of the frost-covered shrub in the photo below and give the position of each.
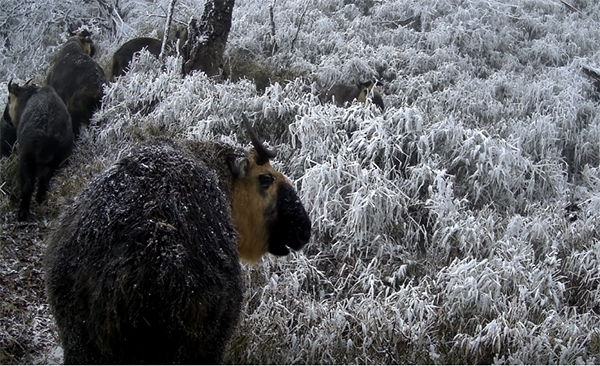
(460, 225)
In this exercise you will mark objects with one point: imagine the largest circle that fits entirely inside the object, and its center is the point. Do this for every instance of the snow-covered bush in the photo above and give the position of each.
(460, 225)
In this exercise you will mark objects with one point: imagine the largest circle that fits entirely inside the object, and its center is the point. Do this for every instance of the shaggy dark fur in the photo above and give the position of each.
(124, 54)
(45, 139)
(78, 80)
(143, 268)
(8, 134)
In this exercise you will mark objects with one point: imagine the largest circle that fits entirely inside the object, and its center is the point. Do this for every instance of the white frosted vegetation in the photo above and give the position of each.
(460, 225)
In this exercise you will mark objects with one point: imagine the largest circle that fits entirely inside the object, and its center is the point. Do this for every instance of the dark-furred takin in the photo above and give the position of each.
(125, 53)
(44, 136)
(341, 94)
(145, 265)
(78, 79)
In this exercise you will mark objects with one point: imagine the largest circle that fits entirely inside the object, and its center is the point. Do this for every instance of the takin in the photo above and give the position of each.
(144, 267)
(126, 52)
(8, 135)
(346, 93)
(78, 79)
(44, 136)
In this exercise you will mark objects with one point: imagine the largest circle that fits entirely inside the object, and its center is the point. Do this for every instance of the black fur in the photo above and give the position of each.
(143, 268)
(45, 140)
(378, 100)
(340, 94)
(78, 80)
(8, 134)
(292, 225)
(124, 54)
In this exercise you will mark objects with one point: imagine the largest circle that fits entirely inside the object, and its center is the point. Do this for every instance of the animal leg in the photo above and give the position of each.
(45, 173)
(27, 175)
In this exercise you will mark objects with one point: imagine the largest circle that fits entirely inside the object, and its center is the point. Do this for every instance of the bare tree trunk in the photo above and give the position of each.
(275, 47)
(113, 13)
(167, 30)
(206, 41)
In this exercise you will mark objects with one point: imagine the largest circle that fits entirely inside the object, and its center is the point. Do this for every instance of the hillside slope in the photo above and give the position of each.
(460, 225)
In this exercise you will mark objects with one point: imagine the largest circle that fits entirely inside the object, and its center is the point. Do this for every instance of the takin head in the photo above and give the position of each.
(17, 100)
(369, 89)
(79, 43)
(82, 38)
(8, 131)
(266, 210)
(87, 44)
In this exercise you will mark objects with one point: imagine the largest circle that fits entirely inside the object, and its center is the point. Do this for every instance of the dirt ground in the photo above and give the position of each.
(27, 331)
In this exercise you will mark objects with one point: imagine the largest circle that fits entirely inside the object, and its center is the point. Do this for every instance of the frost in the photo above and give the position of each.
(460, 225)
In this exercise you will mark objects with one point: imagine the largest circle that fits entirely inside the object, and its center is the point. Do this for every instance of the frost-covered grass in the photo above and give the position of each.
(461, 225)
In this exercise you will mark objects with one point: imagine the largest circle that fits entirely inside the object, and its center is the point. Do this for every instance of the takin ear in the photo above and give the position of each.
(72, 30)
(238, 165)
(13, 88)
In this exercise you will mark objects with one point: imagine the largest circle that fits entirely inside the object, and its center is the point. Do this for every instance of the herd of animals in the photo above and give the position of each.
(144, 265)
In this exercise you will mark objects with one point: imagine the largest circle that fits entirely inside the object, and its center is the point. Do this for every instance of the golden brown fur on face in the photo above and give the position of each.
(12, 108)
(370, 88)
(254, 201)
(87, 45)
(364, 90)
(87, 48)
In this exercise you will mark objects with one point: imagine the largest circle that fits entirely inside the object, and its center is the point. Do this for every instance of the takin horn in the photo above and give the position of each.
(12, 88)
(264, 154)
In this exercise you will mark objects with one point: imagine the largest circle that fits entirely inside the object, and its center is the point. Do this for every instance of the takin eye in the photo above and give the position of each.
(265, 181)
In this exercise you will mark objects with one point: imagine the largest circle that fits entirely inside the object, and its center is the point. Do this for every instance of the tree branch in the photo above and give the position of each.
(167, 29)
(274, 45)
(570, 7)
(299, 25)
